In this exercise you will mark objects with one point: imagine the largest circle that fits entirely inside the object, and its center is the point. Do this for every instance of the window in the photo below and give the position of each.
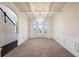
(40, 26)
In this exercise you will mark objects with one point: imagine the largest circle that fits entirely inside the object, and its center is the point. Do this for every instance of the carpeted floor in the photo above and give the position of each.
(39, 47)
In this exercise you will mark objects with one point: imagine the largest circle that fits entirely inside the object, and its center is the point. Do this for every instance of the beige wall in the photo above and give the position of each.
(66, 27)
(22, 28)
(30, 27)
(49, 34)
(6, 35)
(66, 22)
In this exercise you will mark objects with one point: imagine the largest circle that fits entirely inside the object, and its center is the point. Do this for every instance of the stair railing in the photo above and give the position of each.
(7, 20)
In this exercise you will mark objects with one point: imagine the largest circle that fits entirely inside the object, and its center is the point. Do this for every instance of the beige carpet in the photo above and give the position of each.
(39, 47)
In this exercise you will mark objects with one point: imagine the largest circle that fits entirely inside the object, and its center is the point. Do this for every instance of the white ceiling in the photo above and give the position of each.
(22, 6)
(40, 9)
